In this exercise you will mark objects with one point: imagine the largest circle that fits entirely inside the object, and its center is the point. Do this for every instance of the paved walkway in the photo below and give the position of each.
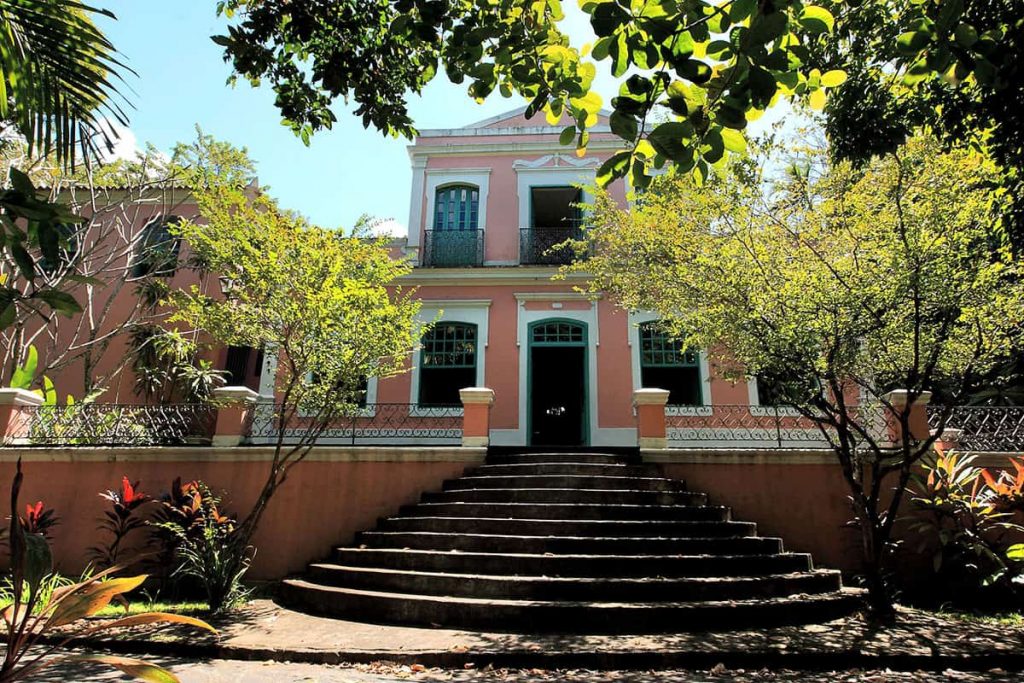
(227, 671)
(918, 640)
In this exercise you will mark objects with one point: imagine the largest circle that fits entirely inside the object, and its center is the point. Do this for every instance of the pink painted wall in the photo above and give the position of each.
(321, 505)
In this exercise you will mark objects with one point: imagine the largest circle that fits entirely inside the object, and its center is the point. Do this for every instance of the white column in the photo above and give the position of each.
(268, 373)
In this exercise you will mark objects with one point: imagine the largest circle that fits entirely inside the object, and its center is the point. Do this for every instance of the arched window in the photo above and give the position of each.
(447, 363)
(665, 364)
(156, 251)
(456, 207)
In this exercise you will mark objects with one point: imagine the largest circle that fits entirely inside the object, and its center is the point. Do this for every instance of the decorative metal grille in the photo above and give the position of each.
(760, 426)
(392, 424)
(558, 332)
(983, 428)
(549, 246)
(451, 248)
(113, 424)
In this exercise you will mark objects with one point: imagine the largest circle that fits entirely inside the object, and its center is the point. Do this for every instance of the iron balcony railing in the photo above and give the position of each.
(550, 245)
(453, 248)
(113, 424)
(392, 424)
(747, 426)
(983, 428)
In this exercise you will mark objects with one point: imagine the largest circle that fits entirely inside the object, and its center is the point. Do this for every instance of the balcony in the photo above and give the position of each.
(453, 248)
(544, 246)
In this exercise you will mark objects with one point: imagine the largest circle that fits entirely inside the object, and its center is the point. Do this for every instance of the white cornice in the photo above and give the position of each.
(511, 130)
(556, 296)
(542, 147)
(512, 275)
(557, 162)
(457, 171)
(455, 303)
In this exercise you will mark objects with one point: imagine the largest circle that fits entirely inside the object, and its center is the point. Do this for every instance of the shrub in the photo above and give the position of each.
(123, 517)
(204, 545)
(973, 515)
(39, 520)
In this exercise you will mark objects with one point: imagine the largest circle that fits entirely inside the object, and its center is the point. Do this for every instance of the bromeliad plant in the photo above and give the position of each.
(39, 519)
(36, 617)
(123, 517)
(972, 514)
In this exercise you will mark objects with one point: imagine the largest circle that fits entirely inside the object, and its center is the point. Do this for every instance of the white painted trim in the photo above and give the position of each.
(558, 161)
(511, 114)
(556, 296)
(268, 374)
(419, 166)
(436, 178)
(525, 319)
(637, 318)
(551, 146)
(499, 275)
(593, 330)
(527, 178)
(453, 310)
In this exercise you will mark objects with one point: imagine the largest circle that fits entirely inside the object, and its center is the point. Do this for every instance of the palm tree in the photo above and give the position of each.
(58, 75)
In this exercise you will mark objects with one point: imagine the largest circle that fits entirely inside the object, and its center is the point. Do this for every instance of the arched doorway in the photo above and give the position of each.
(557, 383)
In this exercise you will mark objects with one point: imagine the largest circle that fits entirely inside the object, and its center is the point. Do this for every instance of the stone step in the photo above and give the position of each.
(565, 481)
(569, 527)
(562, 615)
(525, 458)
(565, 468)
(614, 589)
(544, 495)
(523, 564)
(569, 545)
(569, 511)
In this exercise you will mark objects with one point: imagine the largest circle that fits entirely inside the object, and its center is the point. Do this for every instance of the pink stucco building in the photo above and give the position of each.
(488, 203)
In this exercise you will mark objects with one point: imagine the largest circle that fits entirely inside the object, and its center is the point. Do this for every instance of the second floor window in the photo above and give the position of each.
(456, 207)
(665, 364)
(156, 251)
(447, 363)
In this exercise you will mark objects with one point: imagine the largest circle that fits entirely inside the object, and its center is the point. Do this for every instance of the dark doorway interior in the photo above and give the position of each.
(553, 207)
(557, 395)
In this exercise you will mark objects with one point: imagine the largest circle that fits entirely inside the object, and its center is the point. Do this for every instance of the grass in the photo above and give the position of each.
(139, 606)
(989, 618)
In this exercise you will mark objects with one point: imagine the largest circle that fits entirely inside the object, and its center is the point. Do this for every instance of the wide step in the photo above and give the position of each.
(564, 615)
(581, 542)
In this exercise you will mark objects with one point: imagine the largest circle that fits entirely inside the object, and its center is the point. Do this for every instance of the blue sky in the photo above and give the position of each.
(344, 173)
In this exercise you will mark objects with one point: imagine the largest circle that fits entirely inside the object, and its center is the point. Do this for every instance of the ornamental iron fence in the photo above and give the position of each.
(549, 246)
(115, 424)
(983, 428)
(747, 426)
(392, 424)
(453, 248)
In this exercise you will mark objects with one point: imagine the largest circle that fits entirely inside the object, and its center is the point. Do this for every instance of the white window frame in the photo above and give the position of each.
(638, 318)
(470, 311)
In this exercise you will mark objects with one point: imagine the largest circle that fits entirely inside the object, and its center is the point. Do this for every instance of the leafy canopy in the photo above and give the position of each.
(890, 276)
(692, 73)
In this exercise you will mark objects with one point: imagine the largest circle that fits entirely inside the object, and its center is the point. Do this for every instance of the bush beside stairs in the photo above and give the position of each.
(569, 543)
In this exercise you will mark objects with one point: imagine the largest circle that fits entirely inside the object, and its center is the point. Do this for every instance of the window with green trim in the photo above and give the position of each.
(456, 207)
(665, 364)
(447, 363)
(558, 332)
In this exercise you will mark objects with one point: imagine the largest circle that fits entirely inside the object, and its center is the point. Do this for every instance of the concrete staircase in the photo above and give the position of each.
(572, 543)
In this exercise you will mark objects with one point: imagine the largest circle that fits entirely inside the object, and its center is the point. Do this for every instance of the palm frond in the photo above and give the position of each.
(59, 77)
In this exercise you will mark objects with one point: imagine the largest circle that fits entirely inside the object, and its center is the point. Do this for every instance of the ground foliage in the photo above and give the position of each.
(840, 283)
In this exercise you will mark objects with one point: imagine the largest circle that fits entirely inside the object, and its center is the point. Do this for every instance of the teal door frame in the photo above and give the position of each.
(585, 344)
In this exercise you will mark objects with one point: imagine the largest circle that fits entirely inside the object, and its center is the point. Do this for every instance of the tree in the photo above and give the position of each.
(709, 66)
(320, 301)
(58, 94)
(842, 284)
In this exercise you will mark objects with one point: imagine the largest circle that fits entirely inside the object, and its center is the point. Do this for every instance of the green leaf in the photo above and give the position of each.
(59, 301)
(136, 668)
(734, 140)
(817, 19)
(667, 139)
(614, 167)
(831, 79)
(25, 375)
(965, 35)
(912, 42)
(694, 71)
(24, 260)
(22, 183)
(567, 135)
(1015, 552)
(623, 125)
(741, 9)
(38, 560)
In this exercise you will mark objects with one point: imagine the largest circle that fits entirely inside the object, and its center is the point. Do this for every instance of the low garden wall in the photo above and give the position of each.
(333, 494)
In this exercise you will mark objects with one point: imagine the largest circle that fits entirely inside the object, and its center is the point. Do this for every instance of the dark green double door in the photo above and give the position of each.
(558, 383)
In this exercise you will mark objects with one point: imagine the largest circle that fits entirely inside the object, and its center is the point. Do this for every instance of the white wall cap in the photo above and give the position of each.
(898, 397)
(648, 397)
(19, 397)
(476, 395)
(236, 394)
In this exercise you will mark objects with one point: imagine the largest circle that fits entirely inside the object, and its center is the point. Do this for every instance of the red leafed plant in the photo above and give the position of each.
(123, 517)
(39, 520)
(37, 623)
(1008, 487)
